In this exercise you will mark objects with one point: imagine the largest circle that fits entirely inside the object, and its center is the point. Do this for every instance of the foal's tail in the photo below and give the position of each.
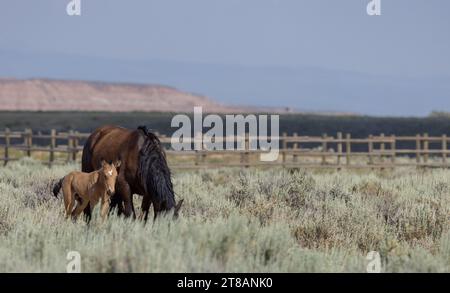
(57, 187)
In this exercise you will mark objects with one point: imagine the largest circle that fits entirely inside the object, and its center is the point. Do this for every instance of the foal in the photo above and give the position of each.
(90, 188)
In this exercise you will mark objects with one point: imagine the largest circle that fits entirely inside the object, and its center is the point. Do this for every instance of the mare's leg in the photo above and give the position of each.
(156, 209)
(125, 191)
(116, 202)
(146, 202)
(88, 212)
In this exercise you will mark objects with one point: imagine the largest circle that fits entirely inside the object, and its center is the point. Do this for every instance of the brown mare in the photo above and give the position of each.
(144, 169)
(86, 189)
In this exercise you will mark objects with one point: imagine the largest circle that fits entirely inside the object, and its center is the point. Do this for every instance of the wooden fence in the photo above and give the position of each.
(341, 151)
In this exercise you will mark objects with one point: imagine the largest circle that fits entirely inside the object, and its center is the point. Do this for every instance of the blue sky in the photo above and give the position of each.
(244, 51)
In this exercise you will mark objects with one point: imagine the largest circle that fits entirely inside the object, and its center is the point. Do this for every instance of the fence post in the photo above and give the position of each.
(198, 152)
(284, 146)
(52, 147)
(418, 146)
(247, 150)
(197, 158)
(370, 149)
(242, 152)
(295, 148)
(324, 148)
(28, 141)
(444, 149)
(348, 147)
(75, 143)
(70, 145)
(7, 143)
(339, 148)
(382, 148)
(426, 144)
(203, 155)
(393, 149)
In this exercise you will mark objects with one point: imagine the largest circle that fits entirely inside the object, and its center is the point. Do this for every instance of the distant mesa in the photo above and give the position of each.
(64, 95)
(69, 95)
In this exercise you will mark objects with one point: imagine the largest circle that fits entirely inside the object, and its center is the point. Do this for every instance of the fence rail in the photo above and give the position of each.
(341, 151)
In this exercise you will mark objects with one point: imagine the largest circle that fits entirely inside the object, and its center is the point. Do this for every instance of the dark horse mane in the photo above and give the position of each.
(154, 172)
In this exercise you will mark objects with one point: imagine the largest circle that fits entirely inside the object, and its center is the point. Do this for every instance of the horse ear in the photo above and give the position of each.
(103, 162)
(118, 163)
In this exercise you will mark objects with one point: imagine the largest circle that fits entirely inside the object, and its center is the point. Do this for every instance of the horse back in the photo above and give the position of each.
(112, 143)
(105, 143)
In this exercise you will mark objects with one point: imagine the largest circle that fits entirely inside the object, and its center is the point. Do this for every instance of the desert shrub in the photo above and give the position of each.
(237, 221)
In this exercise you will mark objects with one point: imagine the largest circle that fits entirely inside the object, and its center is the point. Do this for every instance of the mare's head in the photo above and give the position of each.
(108, 174)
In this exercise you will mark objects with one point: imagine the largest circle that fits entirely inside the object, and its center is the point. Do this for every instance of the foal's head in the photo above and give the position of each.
(108, 174)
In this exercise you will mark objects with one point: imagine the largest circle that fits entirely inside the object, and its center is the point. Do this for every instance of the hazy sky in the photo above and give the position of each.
(410, 39)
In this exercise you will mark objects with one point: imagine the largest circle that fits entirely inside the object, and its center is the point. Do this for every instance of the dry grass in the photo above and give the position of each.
(237, 221)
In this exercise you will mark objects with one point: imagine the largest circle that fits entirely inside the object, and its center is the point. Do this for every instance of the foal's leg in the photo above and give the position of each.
(69, 196)
(69, 207)
(79, 209)
(104, 207)
(93, 202)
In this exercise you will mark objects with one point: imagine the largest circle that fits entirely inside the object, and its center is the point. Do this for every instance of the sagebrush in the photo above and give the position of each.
(237, 220)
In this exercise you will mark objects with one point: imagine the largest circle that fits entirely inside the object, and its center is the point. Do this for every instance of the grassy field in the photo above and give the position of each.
(238, 221)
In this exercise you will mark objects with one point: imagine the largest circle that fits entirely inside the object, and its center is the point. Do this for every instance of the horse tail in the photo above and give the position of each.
(154, 172)
(57, 187)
